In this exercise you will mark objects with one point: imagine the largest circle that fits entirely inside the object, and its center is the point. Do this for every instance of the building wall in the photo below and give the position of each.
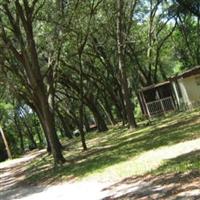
(190, 89)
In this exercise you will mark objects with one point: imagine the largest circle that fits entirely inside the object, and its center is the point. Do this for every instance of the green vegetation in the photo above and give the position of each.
(69, 67)
(183, 163)
(157, 148)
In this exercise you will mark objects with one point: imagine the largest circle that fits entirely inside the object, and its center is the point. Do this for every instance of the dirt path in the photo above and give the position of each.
(172, 186)
(12, 174)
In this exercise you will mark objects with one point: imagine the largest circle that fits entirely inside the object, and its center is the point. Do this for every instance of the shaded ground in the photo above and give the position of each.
(163, 186)
(13, 174)
(118, 146)
(161, 161)
(169, 186)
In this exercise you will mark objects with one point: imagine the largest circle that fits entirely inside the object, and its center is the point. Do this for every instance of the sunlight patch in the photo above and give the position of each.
(151, 160)
(190, 193)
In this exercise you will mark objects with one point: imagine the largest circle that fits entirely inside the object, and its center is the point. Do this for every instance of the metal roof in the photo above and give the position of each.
(187, 73)
(154, 86)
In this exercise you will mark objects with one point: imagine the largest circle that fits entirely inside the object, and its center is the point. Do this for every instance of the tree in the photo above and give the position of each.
(20, 42)
(186, 38)
(192, 6)
(122, 70)
(4, 109)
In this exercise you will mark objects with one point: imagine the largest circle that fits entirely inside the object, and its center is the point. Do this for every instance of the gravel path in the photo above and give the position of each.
(172, 186)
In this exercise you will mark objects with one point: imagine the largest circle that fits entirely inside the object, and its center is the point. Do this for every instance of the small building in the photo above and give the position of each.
(180, 91)
(186, 87)
(157, 99)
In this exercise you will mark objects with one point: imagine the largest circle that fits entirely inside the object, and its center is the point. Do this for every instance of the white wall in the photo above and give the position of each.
(190, 89)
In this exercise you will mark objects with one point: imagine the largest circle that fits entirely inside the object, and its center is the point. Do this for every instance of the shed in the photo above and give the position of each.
(157, 99)
(180, 91)
(186, 87)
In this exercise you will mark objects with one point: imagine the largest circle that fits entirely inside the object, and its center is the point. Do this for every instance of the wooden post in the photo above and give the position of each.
(160, 100)
(6, 143)
(146, 105)
(162, 106)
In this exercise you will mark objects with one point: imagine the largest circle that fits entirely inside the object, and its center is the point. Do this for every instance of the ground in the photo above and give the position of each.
(157, 161)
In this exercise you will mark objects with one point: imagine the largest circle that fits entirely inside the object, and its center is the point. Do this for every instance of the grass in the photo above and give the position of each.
(163, 146)
(183, 163)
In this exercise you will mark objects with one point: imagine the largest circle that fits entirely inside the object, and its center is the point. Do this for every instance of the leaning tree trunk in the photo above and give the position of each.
(109, 111)
(65, 126)
(106, 112)
(6, 143)
(49, 128)
(100, 122)
(46, 117)
(25, 51)
(121, 64)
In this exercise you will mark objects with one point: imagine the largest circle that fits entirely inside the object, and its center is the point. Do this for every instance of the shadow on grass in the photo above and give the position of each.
(183, 163)
(116, 146)
(167, 186)
(178, 178)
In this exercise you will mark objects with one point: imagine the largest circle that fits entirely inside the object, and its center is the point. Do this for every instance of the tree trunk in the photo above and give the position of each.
(49, 128)
(6, 143)
(118, 107)
(109, 111)
(198, 42)
(108, 114)
(86, 123)
(38, 132)
(17, 124)
(81, 109)
(123, 107)
(47, 120)
(121, 63)
(33, 144)
(82, 133)
(26, 53)
(100, 122)
(65, 126)
(48, 146)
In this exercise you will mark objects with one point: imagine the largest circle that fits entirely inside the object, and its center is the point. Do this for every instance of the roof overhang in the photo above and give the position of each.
(154, 86)
(188, 73)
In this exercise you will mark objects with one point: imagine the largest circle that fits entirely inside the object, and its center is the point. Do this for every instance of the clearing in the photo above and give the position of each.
(158, 161)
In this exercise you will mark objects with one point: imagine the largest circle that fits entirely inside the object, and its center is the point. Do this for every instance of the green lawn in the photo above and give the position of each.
(170, 144)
